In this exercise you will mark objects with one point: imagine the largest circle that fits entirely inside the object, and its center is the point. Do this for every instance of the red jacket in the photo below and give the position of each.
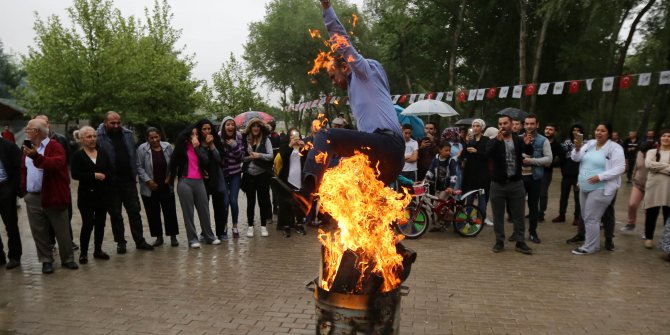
(56, 179)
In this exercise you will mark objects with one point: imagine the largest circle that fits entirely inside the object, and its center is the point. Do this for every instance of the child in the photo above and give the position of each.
(443, 170)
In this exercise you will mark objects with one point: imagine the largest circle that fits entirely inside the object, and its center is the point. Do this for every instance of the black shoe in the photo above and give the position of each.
(575, 239)
(144, 246)
(540, 219)
(287, 232)
(158, 242)
(609, 244)
(47, 268)
(3, 259)
(498, 247)
(121, 248)
(70, 265)
(13, 263)
(534, 238)
(75, 246)
(511, 238)
(435, 229)
(301, 230)
(173, 241)
(101, 255)
(523, 248)
(83, 259)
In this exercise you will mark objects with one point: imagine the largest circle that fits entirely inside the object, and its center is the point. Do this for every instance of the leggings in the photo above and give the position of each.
(650, 220)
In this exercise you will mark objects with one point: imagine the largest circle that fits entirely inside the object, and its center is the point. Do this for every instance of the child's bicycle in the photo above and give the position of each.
(426, 209)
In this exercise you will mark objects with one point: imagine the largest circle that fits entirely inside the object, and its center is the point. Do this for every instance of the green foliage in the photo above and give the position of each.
(10, 74)
(236, 90)
(106, 61)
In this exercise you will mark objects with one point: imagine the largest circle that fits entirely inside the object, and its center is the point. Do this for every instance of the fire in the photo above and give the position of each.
(338, 42)
(354, 20)
(322, 60)
(315, 33)
(364, 209)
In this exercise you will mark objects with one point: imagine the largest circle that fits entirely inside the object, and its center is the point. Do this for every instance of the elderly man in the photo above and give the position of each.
(45, 183)
(118, 143)
(10, 158)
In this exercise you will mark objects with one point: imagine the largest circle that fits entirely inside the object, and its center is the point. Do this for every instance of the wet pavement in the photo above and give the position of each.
(257, 286)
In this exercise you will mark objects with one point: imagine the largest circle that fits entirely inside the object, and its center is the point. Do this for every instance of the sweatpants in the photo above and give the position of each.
(192, 194)
(594, 204)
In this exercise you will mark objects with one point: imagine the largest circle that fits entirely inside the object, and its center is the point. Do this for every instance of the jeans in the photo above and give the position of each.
(125, 193)
(511, 193)
(544, 191)
(233, 183)
(532, 187)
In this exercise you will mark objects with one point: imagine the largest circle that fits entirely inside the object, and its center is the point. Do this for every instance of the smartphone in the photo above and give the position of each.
(579, 137)
(28, 144)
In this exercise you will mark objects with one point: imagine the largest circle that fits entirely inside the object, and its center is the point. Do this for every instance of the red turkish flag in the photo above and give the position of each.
(624, 82)
(327, 101)
(402, 99)
(462, 95)
(574, 87)
(430, 95)
(530, 89)
(491, 93)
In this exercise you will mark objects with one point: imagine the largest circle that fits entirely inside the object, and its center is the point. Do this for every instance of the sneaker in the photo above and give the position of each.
(575, 239)
(264, 231)
(628, 229)
(250, 231)
(488, 222)
(300, 230)
(580, 252)
(498, 247)
(236, 233)
(216, 242)
(523, 248)
(195, 245)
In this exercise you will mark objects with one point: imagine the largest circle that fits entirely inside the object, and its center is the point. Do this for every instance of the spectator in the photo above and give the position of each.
(453, 135)
(257, 174)
(215, 183)
(411, 153)
(630, 145)
(189, 164)
(233, 151)
(651, 138)
(8, 135)
(275, 140)
(637, 191)
(92, 168)
(288, 168)
(10, 174)
(427, 149)
(338, 122)
(442, 171)
(45, 184)
(118, 143)
(506, 152)
(557, 153)
(601, 164)
(476, 173)
(616, 139)
(657, 190)
(153, 159)
(569, 172)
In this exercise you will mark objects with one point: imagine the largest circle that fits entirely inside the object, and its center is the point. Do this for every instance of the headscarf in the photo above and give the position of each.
(481, 123)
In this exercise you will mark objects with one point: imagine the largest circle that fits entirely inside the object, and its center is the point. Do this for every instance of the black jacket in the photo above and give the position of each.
(92, 193)
(10, 155)
(495, 151)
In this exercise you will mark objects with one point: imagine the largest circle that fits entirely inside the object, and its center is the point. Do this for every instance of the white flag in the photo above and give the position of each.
(608, 84)
(589, 84)
(644, 79)
(450, 95)
(395, 99)
(544, 87)
(665, 78)
(472, 94)
(412, 98)
(558, 87)
(503, 92)
(480, 94)
(516, 93)
(421, 97)
(439, 96)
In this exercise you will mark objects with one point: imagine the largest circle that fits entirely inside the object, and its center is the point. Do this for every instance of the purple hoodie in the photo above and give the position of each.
(232, 156)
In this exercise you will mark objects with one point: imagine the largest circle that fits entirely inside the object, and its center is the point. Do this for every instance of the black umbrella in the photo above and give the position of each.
(514, 113)
(464, 122)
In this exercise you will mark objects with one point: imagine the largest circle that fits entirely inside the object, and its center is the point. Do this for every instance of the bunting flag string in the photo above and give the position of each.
(574, 86)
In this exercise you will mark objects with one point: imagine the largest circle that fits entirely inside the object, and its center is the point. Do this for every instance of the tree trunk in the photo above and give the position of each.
(522, 48)
(538, 56)
(454, 46)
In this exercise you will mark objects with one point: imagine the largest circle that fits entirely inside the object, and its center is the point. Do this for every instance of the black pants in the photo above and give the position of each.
(125, 193)
(532, 187)
(161, 200)
(220, 212)
(11, 220)
(288, 214)
(631, 168)
(92, 218)
(259, 186)
(566, 184)
(544, 191)
(650, 220)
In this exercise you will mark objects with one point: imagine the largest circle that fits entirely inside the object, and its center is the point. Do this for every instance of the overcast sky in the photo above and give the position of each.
(211, 29)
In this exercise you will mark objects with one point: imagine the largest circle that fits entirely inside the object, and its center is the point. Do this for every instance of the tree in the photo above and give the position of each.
(106, 61)
(236, 89)
(10, 74)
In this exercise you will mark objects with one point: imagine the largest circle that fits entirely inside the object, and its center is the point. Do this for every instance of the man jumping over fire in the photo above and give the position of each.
(379, 135)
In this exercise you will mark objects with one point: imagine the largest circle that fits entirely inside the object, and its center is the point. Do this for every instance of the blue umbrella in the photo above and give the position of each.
(415, 121)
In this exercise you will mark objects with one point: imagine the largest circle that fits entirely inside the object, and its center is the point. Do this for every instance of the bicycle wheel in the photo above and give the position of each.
(468, 222)
(417, 222)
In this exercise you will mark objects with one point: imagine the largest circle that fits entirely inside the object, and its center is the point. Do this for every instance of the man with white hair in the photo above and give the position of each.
(45, 184)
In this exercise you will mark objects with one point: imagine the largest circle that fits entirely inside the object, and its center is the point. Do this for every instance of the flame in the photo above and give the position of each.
(314, 33)
(338, 42)
(322, 60)
(364, 209)
(321, 157)
(354, 20)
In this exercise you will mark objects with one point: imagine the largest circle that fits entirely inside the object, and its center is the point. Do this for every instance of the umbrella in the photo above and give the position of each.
(242, 119)
(415, 121)
(514, 113)
(430, 107)
(465, 122)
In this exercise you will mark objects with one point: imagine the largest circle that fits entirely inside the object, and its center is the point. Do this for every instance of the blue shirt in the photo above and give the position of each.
(34, 175)
(369, 92)
(593, 164)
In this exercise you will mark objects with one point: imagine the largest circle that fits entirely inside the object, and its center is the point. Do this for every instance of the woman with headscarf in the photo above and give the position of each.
(657, 189)
(257, 173)
(189, 164)
(601, 164)
(475, 168)
(153, 158)
(233, 151)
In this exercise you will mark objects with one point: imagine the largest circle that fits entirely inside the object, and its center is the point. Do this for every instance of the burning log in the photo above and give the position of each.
(347, 274)
(408, 257)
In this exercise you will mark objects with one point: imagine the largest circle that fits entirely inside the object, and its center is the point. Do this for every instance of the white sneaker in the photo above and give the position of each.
(488, 222)
(250, 231)
(628, 229)
(216, 242)
(264, 231)
(195, 245)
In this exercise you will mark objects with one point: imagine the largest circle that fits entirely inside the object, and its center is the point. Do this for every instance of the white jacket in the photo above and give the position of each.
(615, 163)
